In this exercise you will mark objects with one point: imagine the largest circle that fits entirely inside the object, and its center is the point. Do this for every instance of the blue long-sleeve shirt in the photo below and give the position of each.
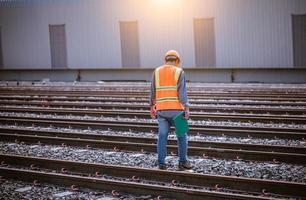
(182, 90)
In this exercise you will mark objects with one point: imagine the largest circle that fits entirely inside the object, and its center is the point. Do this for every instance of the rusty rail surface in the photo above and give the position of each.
(216, 185)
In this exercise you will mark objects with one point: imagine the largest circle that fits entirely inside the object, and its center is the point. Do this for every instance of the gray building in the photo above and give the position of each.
(109, 34)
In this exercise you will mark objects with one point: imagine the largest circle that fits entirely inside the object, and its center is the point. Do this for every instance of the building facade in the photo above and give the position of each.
(82, 34)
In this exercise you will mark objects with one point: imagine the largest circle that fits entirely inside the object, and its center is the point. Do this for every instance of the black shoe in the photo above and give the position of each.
(185, 165)
(162, 167)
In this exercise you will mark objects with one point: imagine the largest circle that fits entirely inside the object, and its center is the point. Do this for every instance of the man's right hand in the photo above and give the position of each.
(153, 112)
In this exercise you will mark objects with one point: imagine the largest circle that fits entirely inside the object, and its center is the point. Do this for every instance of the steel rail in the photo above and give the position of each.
(259, 110)
(130, 85)
(147, 140)
(146, 115)
(146, 92)
(121, 126)
(226, 182)
(145, 100)
(145, 85)
(277, 102)
(126, 122)
(101, 95)
(191, 96)
(143, 147)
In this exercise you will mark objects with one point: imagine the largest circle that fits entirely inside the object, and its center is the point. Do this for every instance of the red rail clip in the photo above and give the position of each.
(36, 183)
(275, 161)
(264, 192)
(74, 188)
(238, 158)
(64, 170)
(205, 156)
(33, 167)
(135, 178)
(115, 193)
(174, 182)
(3, 164)
(98, 174)
(217, 187)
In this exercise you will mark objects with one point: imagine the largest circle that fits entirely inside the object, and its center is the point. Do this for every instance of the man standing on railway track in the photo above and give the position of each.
(168, 98)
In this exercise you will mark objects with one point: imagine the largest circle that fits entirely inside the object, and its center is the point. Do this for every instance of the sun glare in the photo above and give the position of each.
(166, 2)
(163, 5)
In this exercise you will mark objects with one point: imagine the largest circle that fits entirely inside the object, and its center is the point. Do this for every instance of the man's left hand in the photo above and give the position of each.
(187, 114)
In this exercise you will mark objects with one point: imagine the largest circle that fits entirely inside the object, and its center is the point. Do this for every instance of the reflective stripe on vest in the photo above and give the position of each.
(166, 86)
(168, 99)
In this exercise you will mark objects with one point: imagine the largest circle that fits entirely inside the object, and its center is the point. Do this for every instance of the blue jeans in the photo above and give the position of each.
(165, 121)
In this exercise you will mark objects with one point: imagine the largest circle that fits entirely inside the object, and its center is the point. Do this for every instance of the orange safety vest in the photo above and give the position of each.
(166, 88)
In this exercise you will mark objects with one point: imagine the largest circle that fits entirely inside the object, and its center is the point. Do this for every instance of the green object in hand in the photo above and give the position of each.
(181, 124)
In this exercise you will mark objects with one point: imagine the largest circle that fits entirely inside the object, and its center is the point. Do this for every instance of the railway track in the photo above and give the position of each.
(224, 151)
(206, 108)
(193, 99)
(145, 91)
(150, 140)
(146, 115)
(72, 105)
(148, 127)
(179, 185)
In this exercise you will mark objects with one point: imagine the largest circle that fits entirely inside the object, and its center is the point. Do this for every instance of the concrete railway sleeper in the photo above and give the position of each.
(143, 147)
(216, 187)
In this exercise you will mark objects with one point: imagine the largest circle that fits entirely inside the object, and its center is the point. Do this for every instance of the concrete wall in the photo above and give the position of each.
(223, 75)
(249, 33)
